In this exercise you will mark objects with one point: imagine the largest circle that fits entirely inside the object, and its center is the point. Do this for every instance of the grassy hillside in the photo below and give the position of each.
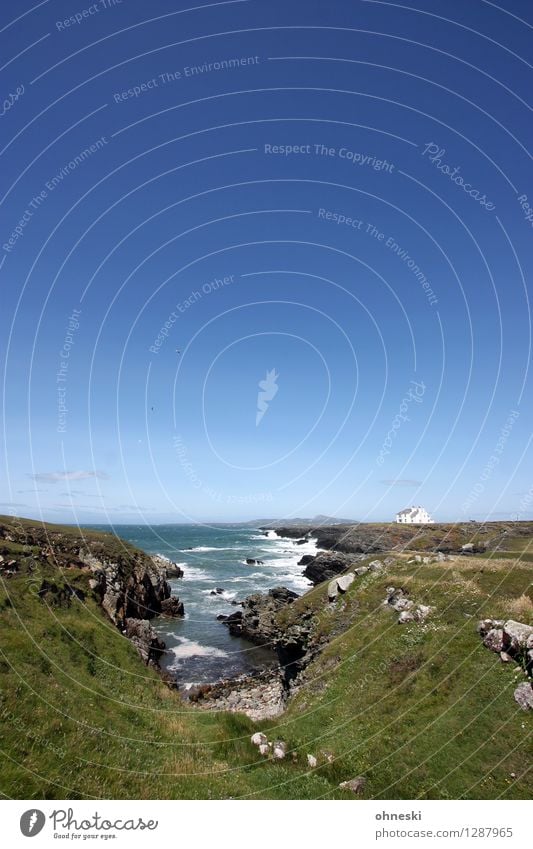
(420, 710)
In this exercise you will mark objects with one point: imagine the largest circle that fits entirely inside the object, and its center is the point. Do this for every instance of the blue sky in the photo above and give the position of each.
(335, 195)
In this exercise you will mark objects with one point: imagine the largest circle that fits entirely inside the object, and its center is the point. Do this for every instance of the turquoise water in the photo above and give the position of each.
(199, 648)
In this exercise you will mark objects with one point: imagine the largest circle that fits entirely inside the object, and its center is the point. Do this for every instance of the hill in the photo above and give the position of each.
(421, 709)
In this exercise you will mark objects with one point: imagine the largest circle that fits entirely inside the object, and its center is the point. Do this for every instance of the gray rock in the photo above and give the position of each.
(493, 640)
(264, 749)
(258, 739)
(361, 570)
(422, 612)
(145, 640)
(375, 566)
(403, 604)
(172, 607)
(279, 750)
(345, 581)
(333, 590)
(356, 785)
(524, 695)
(484, 626)
(311, 761)
(516, 635)
(405, 616)
(327, 565)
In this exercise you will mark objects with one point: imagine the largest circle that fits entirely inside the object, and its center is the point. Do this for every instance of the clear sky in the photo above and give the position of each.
(333, 200)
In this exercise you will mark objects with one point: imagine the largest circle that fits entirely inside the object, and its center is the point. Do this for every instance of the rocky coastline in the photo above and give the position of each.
(375, 538)
(130, 586)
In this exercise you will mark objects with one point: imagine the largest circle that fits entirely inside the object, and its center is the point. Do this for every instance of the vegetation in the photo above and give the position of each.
(421, 710)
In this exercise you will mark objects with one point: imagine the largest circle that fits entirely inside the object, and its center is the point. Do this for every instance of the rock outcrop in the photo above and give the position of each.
(327, 565)
(513, 641)
(523, 695)
(145, 640)
(256, 621)
(131, 586)
(167, 567)
(295, 645)
(409, 611)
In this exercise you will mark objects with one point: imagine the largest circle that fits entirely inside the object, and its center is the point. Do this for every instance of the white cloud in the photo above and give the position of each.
(54, 477)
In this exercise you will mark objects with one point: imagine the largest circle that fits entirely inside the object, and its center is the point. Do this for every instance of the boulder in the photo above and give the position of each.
(257, 620)
(403, 604)
(375, 566)
(311, 761)
(524, 695)
(356, 785)
(264, 749)
(327, 565)
(172, 607)
(485, 625)
(421, 612)
(345, 581)
(493, 640)
(306, 560)
(145, 640)
(333, 590)
(397, 599)
(167, 568)
(516, 635)
(405, 616)
(279, 750)
(258, 739)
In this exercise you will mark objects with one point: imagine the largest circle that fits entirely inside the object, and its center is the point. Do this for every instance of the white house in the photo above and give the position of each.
(414, 516)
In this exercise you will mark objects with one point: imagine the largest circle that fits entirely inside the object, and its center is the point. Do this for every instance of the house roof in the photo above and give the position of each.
(410, 510)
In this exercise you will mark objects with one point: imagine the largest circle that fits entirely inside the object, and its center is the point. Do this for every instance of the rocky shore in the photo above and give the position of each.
(260, 695)
(326, 564)
(130, 586)
(375, 538)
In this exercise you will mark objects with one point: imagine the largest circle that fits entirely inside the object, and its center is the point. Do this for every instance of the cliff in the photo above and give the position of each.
(64, 563)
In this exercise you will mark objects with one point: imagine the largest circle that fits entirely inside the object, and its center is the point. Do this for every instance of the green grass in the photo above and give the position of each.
(421, 711)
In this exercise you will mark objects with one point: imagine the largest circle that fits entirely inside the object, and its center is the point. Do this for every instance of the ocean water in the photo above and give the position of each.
(199, 648)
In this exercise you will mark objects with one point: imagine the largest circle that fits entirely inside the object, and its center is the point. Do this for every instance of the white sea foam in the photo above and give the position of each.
(226, 595)
(190, 648)
(196, 573)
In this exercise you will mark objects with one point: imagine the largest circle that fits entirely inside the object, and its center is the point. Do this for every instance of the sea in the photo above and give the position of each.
(199, 648)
